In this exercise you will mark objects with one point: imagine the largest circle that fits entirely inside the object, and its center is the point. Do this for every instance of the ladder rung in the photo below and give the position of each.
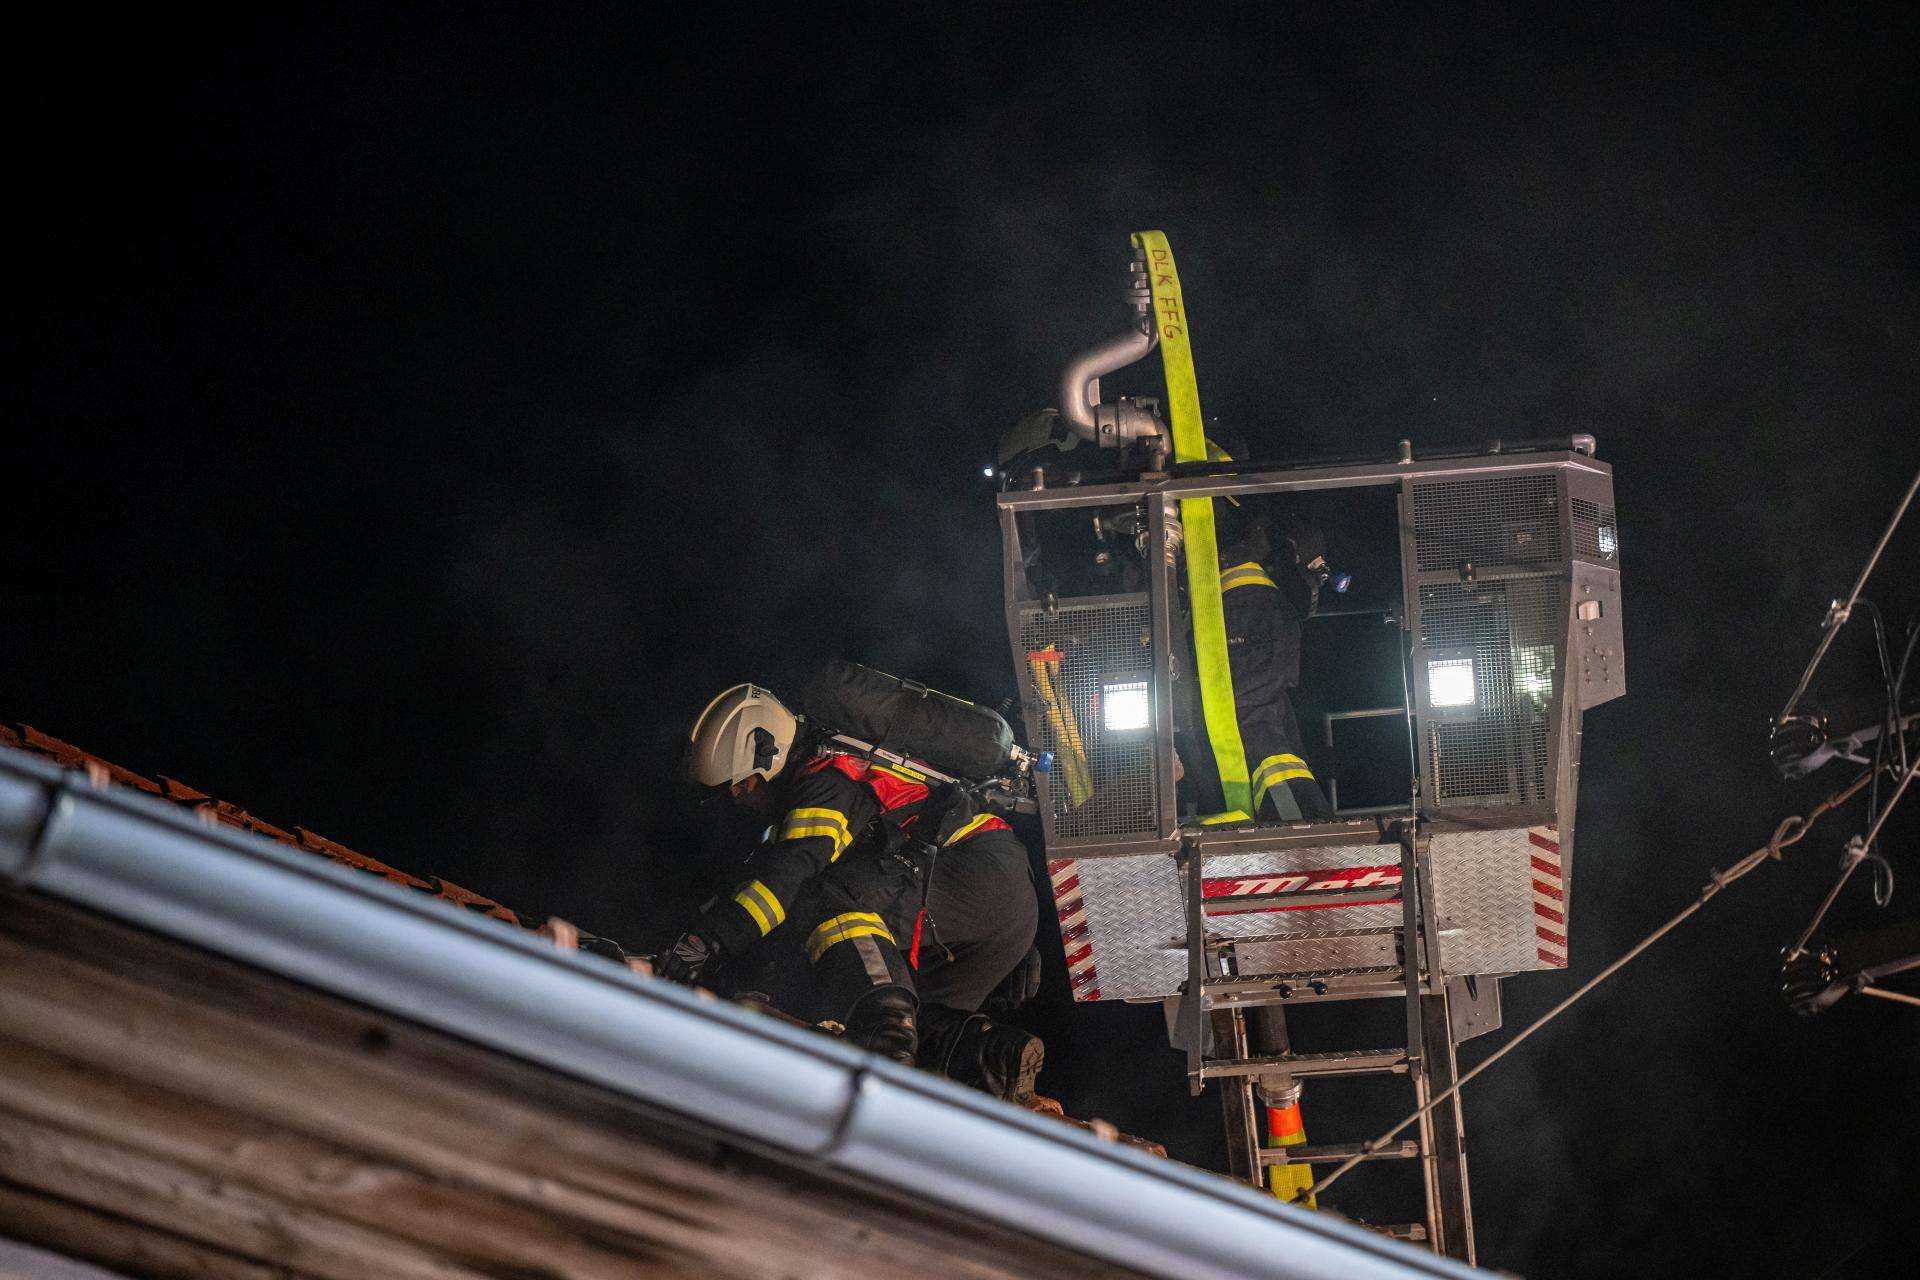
(1221, 942)
(1367, 1062)
(1305, 1154)
(1378, 989)
(1304, 978)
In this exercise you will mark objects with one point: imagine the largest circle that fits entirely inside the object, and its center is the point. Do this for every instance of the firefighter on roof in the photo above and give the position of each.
(877, 901)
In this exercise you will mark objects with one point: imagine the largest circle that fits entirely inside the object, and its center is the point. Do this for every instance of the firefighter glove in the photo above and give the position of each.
(690, 956)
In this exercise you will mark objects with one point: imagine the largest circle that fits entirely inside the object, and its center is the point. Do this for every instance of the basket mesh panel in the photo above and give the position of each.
(1594, 533)
(1101, 643)
(1500, 755)
(1507, 521)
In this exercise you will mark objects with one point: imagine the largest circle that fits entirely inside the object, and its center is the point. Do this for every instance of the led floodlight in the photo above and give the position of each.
(1450, 682)
(1124, 707)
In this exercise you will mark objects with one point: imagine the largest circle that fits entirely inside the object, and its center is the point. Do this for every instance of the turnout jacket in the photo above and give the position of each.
(833, 810)
(1262, 616)
(1265, 606)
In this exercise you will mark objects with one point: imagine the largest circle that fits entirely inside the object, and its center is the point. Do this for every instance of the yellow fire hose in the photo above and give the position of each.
(1284, 1124)
(1196, 514)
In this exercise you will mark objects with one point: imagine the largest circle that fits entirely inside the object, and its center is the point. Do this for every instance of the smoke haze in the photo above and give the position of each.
(419, 416)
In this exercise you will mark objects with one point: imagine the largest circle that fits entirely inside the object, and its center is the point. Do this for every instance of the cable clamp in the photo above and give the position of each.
(1788, 832)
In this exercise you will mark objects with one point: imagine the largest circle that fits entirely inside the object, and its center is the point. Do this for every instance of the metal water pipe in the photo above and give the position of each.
(1123, 422)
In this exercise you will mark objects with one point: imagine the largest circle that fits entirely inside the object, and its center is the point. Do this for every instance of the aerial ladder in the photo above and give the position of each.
(1505, 628)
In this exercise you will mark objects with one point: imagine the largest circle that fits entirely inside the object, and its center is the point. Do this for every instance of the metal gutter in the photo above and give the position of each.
(812, 1098)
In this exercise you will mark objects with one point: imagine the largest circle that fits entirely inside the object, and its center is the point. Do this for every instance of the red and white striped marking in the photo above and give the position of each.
(1549, 896)
(1324, 881)
(1074, 934)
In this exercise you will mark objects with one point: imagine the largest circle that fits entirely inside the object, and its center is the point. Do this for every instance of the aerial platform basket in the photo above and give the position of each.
(1511, 628)
(1506, 629)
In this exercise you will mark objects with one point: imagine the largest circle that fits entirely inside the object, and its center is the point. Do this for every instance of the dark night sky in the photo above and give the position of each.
(414, 417)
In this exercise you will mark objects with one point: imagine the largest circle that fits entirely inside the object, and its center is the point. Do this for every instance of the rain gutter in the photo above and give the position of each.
(766, 1085)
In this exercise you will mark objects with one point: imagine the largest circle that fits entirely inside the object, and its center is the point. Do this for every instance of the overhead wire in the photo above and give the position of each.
(1858, 850)
(1900, 684)
(1897, 729)
(1890, 717)
(1890, 744)
(1790, 831)
(1839, 613)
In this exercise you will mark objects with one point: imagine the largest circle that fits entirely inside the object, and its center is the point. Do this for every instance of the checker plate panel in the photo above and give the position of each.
(1484, 901)
(1135, 920)
(1136, 917)
(1258, 956)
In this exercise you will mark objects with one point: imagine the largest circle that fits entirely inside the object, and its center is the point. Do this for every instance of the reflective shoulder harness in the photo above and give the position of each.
(1196, 514)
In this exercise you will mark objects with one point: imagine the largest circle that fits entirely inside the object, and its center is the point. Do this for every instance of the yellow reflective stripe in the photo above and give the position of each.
(854, 924)
(761, 905)
(766, 895)
(753, 909)
(969, 829)
(1281, 768)
(1245, 575)
(1196, 515)
(831, 817)
(814, 952)
(803, 824)
(1221, 819)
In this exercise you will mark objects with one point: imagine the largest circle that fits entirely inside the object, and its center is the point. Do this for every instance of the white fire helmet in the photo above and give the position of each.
(745, 730)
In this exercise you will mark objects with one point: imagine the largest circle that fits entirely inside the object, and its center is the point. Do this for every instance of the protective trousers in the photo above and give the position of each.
(853, 921)
(981, 916)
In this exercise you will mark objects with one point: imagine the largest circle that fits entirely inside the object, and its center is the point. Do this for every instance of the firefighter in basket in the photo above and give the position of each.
(880, 900)
(1270, 583)
(1273, 567)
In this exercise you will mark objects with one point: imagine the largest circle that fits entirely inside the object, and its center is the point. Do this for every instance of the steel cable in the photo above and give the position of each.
(1838, 614)
(1790, 831)
(1858, 851)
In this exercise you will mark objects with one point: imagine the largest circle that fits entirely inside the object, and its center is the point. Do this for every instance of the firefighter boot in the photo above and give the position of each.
(974, 1050)
(882, 1022)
